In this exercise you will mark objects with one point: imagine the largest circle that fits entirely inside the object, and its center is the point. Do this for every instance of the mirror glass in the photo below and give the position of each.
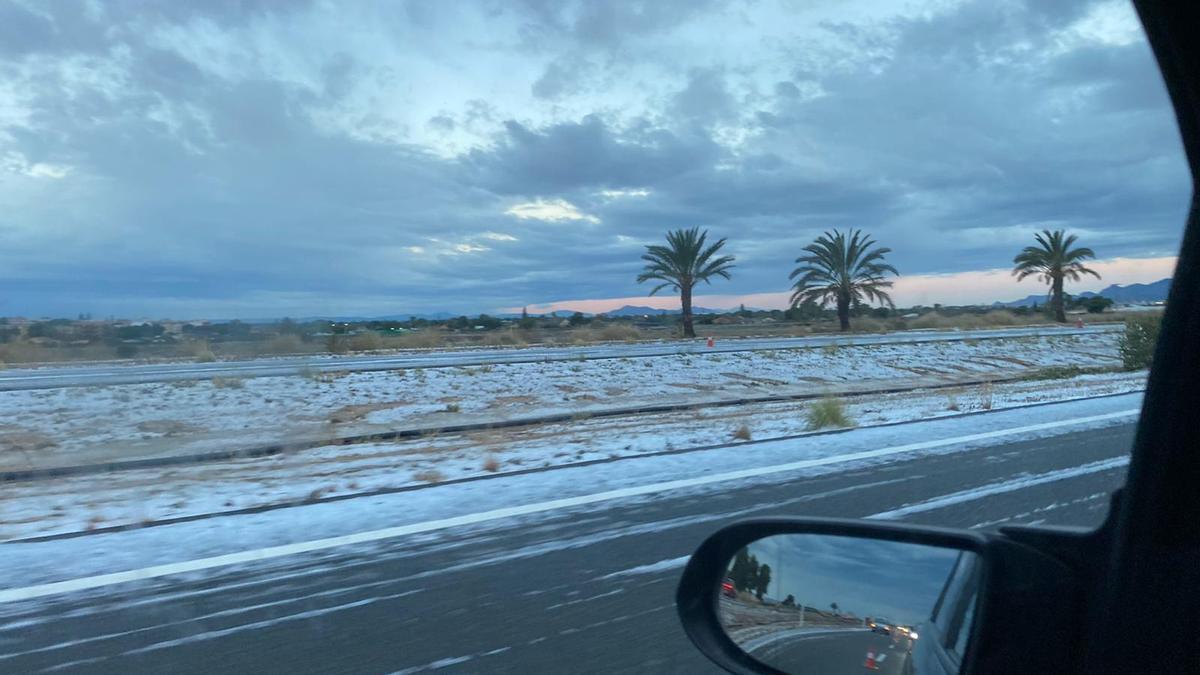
(814, 603)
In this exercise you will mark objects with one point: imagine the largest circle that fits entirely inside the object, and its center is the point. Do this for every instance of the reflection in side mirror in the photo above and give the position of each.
(814, 603)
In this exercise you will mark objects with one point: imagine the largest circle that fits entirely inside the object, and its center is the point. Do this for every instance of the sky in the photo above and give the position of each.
(254, 159)
(869, 578)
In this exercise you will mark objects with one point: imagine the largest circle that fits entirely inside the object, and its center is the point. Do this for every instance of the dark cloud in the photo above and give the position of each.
(562, 76)
(22, 30)
(299, 184)
(705, 99)
(588, 154)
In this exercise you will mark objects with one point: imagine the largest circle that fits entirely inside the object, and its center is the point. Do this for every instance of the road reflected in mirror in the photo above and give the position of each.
(807, 603)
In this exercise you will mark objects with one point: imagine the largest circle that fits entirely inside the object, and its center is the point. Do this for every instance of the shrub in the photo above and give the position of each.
(452, 407)
(200, 351)
(365, 342)
(951, 401)
(506, 338)
(742, 433)
(985, 396)
(25, 352)
(868, 324)
(228, 383)
(282, 344)
(827, 412)
(617, 332)
(491, 464)
(126, 351)
(426, 338)
(1137, 344)
(430, 476)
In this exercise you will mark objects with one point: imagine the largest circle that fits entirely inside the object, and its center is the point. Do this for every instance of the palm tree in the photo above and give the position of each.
(684, 262)
(1053, 260)
(844, 271)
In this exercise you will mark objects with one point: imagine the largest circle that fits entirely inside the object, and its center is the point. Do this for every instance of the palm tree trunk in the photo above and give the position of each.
(843, 312)
(685, 302)
(1057, 293)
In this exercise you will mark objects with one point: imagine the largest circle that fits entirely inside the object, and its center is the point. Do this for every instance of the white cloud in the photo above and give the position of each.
(18, 163)
(551, 211)
(619, 194)
(416, 249)
(469, 248)
(1110, 23)
(498, 236)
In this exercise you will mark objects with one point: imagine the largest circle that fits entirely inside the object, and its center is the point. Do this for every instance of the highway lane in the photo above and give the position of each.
(50, 377)
(581, 591)
(835, 653)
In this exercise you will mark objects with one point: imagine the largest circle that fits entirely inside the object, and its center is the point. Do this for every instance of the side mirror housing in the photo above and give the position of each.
(816, 595)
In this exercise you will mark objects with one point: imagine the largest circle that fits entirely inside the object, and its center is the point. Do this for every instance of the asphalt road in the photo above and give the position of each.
(51, 377)
(578, 591)
(840, 653)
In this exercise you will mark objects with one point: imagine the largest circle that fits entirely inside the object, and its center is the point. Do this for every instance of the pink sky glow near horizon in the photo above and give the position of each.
(961, 288)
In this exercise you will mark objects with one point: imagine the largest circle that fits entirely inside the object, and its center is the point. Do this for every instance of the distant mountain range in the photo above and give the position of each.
(1122, 295)
(639, 310)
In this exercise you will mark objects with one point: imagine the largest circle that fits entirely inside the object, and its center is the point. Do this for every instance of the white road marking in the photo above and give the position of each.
(155, 571)
(660, 566)
(1002, 487)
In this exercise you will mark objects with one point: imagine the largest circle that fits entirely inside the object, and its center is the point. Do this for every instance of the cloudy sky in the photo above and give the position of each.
(867, 577)
(249, 159)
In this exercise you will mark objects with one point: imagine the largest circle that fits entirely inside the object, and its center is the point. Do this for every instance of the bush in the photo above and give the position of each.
(422, 339)
(828, 412)
(1137, 344)
(365, 342)
(282, 344)
(617, 332)
(742, 433)
(126, 351)
(200, 350)
(228, 383)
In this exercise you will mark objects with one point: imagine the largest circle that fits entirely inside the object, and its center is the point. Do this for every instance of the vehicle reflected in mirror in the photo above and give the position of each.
(812, 603)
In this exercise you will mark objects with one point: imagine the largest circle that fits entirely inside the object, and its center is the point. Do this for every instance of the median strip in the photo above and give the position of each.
(157, 571)
(271, 449)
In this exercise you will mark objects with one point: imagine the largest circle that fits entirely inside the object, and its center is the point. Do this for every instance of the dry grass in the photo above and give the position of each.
(827, 412)
(951, 401)
(985, 396)
(422, 339)
(365, 342)
(491, 464)
(429, 476)
(22, 441)
(228, 383)
(867, 324)
(742, 433)
(200, 351)
(354, 413)
(23, 352)
(166, 427)
(282, 344)
(609, 333)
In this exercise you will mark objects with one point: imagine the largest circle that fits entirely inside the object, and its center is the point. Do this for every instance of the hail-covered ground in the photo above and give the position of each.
(78, 426)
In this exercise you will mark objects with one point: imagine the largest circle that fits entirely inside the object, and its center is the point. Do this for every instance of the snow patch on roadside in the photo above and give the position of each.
(652, 568)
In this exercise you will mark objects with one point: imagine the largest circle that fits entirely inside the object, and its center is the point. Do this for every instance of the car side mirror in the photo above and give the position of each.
(844, 596)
